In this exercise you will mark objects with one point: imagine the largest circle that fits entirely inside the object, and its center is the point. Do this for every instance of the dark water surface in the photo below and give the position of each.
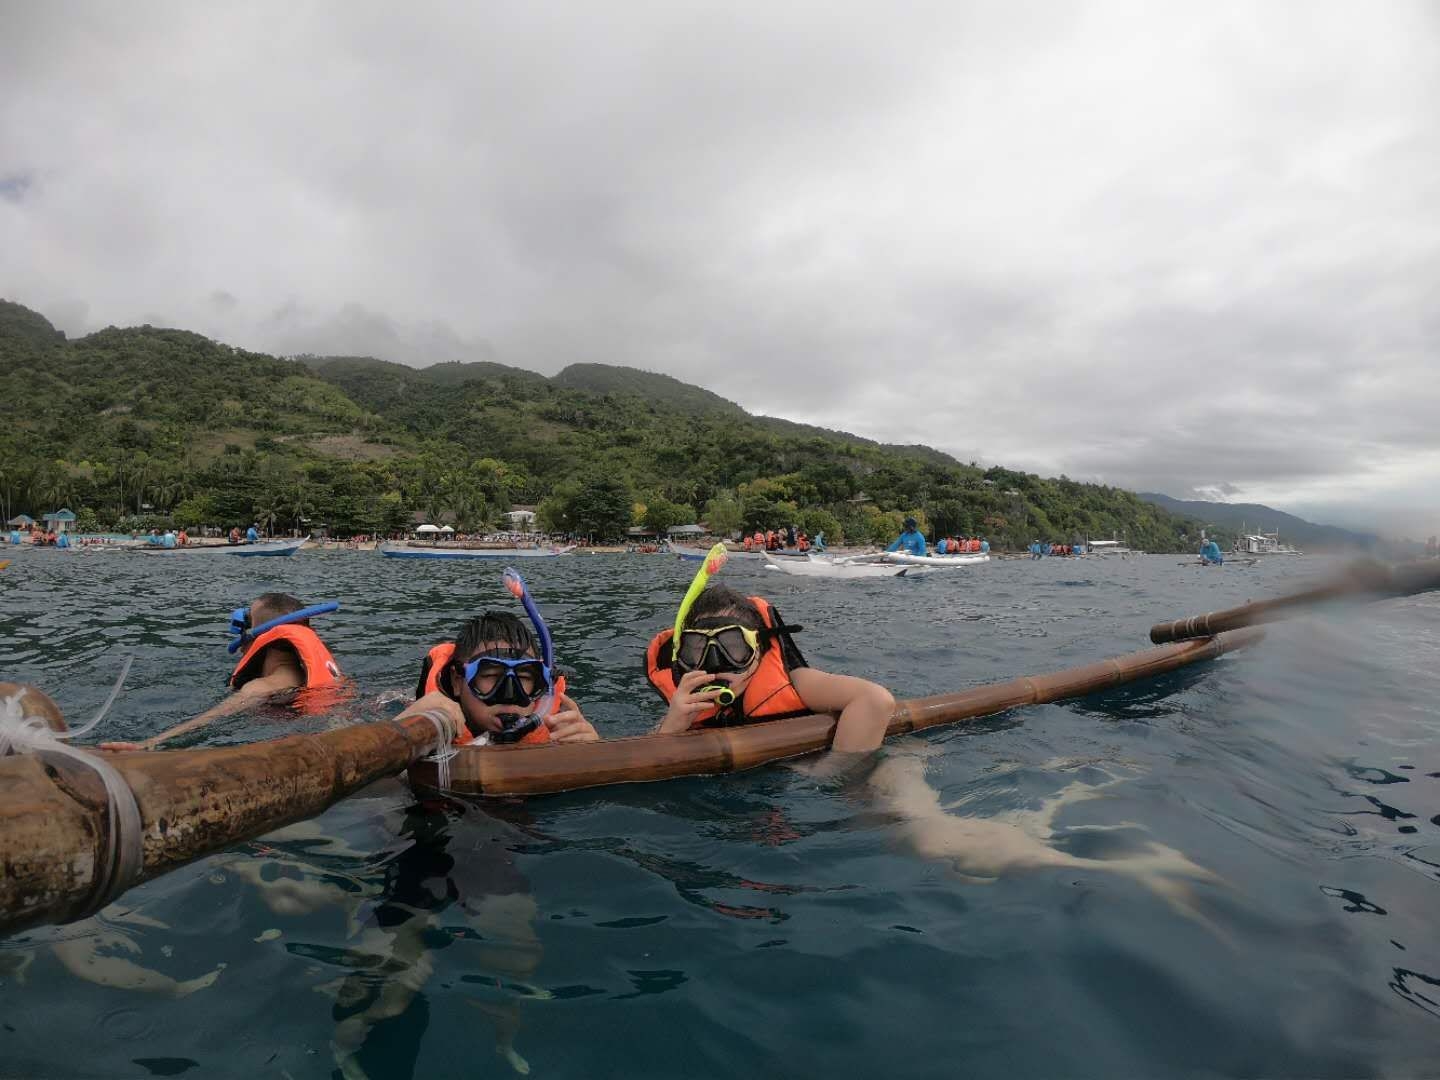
(1232, 871)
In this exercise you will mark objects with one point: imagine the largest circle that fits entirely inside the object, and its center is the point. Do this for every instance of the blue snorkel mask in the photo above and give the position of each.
(522, 682)
(244, 633)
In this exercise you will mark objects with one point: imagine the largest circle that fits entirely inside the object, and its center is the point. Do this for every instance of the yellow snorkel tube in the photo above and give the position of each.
(711, 564)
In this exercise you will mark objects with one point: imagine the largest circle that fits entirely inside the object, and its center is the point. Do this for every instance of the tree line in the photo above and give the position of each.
(142, 427)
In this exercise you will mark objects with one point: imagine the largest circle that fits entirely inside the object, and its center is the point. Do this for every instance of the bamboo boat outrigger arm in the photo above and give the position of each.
(539, 770)
(60, 833)
(1360, 579)
(68, 845)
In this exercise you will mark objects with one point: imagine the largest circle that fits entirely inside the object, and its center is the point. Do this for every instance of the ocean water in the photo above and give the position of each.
(1231, 871)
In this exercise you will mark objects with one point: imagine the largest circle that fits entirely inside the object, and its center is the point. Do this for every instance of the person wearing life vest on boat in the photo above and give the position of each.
(737, 663)
(281, 654)
(911, 541)
(747, 543)
(252, 535)
(497, 681)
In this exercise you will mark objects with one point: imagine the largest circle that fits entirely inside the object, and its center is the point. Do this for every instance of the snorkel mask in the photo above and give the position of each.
(710, 658)
(244, 633)
(520, 682)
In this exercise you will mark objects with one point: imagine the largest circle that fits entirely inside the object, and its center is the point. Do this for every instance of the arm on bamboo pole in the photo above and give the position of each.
(1365, 578)
(58, 844)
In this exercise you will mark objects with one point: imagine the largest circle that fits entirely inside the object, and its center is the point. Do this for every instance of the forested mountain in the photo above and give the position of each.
(144, 425)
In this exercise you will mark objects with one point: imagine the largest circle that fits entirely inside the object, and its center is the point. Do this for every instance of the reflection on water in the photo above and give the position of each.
(1231, 870)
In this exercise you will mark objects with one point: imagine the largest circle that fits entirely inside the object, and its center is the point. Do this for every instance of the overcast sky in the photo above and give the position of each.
(1173, 246)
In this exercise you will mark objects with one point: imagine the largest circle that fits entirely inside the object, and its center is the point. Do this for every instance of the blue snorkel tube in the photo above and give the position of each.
(516, 584)
(244, 634)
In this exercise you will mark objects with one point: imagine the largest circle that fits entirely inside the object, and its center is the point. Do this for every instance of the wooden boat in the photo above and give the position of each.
(408, 550)
(263, 547)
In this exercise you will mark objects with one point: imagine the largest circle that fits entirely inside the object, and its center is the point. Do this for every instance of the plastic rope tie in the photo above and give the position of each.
(444, 751)
(21, 734)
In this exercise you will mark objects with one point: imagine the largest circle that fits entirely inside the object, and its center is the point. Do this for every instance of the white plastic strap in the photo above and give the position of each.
(21, 734)
(443, 751)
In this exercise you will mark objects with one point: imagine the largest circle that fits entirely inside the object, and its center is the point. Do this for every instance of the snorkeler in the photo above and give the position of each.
(737, 663)
(281, 654)
(497, 681)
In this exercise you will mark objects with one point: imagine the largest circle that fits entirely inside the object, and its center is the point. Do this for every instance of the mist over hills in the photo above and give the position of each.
(1240, 518)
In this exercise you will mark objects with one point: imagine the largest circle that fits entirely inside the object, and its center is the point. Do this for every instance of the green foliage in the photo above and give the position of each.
(724, 515)
(165, 425)
(660, 514)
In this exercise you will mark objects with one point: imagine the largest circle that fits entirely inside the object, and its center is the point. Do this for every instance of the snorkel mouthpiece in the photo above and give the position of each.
(725, 697)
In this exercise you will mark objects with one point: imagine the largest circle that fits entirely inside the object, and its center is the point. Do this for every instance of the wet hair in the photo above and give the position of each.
(272, 605)
(495, 626)
(719, 604)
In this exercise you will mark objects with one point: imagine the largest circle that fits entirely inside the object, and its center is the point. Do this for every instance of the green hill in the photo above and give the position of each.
(662, 390)
(147, 425)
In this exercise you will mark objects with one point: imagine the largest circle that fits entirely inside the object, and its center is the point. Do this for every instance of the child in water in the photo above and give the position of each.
(497, 681)
(736, 663)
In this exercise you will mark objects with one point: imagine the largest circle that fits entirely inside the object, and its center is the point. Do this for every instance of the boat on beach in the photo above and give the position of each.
(412, 550)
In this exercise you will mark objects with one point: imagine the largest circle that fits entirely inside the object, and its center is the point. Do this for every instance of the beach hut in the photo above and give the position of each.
(428, 529)
(683, 531)
(59, 521)
(21, 521)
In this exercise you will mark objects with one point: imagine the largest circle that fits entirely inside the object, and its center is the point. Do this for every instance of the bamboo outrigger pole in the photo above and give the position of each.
(1359, 579)
(62, 855)
(63, 848)
(537, 770)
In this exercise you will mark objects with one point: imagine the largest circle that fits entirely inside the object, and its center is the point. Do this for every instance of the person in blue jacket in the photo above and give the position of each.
(1210, 554)
(252, 535)
(912, 540)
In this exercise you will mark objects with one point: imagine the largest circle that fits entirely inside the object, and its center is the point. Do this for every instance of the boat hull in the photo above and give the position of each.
(399, 551)
(938, 562)
(828, 568)
(263, 548)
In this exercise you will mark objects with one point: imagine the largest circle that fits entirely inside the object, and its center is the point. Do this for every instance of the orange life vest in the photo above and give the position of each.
(435, 662)
(770, 695)
(315, 658)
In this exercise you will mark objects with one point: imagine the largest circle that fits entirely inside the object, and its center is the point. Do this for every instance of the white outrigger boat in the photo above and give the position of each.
(1110, 547)
(935, 562)
(409, 550)
(823, 567)
(1263, 544)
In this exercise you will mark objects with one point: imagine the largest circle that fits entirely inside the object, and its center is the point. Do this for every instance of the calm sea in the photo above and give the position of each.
(1233, 871)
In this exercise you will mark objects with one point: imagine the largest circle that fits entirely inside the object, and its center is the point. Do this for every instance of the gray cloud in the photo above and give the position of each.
(1174, 249)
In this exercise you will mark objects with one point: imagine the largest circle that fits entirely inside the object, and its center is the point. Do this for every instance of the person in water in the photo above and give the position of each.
(281, 654)
(737, 663)
(911, 541)
(497, 681)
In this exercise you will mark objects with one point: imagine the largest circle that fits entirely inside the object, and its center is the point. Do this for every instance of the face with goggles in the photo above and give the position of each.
(503, 691)
(720, 646)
